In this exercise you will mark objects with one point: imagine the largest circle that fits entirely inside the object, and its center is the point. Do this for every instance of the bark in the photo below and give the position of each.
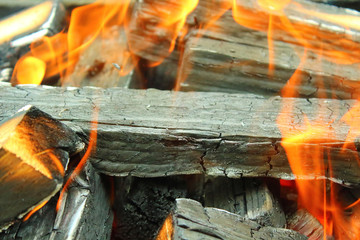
(158, 133)
(190, 220)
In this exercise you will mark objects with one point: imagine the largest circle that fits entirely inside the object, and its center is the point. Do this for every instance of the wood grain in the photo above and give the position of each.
(150, 133)
(190, 220)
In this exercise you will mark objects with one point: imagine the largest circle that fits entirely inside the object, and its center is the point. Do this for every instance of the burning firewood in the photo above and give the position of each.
(98, 62)
(26, 27)
(303, 222)
(85, 209)
(84, 213)
(34, 152)
(228, 57)
(249, 198)
(189, 220)
(157, 133)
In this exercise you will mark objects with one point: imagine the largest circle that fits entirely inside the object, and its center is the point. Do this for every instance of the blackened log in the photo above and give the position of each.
(159, 133)
(142, 205)
(189, 220)
(32, 164)
(84, 213)
(247, 197)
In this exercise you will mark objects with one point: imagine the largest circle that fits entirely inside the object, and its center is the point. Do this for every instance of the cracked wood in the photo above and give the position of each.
(150, 133)
(228, 57)
(189, 220)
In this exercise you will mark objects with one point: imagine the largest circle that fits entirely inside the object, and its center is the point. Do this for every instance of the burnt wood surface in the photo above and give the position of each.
(190, 220)
(32, 165)
(303, 222)
(142, 204)
(150, 133)
(228, 57)
(247, 197)
(84, 213)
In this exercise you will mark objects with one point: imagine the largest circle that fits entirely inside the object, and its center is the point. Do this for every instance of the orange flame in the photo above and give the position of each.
(30, 70)
(308, 147)
(80, 166)
(38, 207)
(61, 52)
(167, 230)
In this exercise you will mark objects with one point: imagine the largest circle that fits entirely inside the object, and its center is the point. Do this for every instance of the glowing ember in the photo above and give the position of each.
(30, 70)
(80, 166)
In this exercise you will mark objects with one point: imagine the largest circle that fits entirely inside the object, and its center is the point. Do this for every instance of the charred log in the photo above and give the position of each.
(228, 57)
(158, 133)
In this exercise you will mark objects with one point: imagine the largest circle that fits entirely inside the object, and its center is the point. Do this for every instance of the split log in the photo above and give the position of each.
(84, 213)
(228, 57)
(247, 197)
(190, 220)
(152, 133)
(32, 164)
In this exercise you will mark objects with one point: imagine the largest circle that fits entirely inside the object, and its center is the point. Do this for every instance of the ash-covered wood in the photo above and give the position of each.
(142, 205)
(303, 222)
(84, 213)
(228, 57)
(249, 198)
(160, 133)
(32, 163)
(189, 220)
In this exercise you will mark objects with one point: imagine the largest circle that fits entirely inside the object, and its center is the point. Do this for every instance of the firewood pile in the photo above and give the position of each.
(109, 150)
